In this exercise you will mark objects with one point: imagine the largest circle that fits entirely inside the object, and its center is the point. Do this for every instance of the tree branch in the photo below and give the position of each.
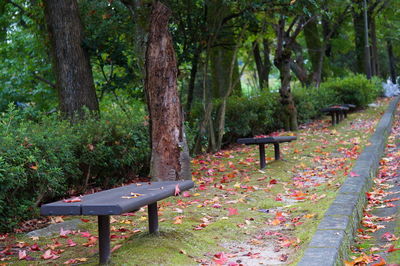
(51, 84)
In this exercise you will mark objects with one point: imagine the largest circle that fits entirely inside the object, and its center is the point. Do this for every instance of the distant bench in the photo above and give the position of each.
(338, 112)
(267, 140)
(115, 202)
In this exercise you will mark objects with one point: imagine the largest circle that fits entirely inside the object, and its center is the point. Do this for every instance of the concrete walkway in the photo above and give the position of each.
(331, 242)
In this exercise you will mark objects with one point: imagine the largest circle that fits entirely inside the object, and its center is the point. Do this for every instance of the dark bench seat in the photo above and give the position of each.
(337, 113)
(267, 140)
(115, 202)
(350, 106)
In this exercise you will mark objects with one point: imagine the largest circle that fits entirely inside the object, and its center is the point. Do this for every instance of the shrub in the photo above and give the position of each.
(309, 101)
(49, 158)
(249, 116)
(354, 89)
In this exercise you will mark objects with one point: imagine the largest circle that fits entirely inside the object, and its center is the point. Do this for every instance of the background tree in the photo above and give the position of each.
(71, 61)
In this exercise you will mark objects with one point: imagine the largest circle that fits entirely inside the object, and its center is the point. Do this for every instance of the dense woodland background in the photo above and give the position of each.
(75, 111)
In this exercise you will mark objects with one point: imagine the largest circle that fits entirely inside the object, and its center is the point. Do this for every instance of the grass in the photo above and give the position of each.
(289, 197)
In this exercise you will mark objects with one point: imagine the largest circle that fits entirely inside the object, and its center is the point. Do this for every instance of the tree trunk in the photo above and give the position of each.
(358, 22)
(289, 112)
(263, 66)
(314, 48)
(298, 67)
(193, 72)
(374, 48)
(169, 152)
(392, 64)
(222, 49)
(3, 24)
(71, 61)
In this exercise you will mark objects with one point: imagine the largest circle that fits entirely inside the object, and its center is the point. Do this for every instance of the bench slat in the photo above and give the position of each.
(266, 140)
(111, 202)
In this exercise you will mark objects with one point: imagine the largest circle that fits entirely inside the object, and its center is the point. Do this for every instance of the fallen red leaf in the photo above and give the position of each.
(353, 174)
(177, 190)
(22, 255)
(232, 211)
(71, 243)
(186, 194)
(220, 258)
(115, 248)
(91, 242)
(391, 249)
(75, 199)
(34, 247)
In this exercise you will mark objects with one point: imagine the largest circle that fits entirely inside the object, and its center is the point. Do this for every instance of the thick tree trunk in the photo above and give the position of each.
(392, 64)
(71, 61)
(289, 112)
(170, 156)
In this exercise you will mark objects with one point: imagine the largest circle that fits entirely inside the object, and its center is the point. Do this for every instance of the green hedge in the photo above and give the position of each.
(45, 159)
(249, 116)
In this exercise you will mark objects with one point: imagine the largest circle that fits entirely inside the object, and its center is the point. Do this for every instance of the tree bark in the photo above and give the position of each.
(282, 60)
(289, 112)
(314, 48)
(193, 72)
(222, 49)
(170, 156)
(298, 67)
(263, 66)
(392, 64)
(374, 47)
(358, 22)
(71, 61)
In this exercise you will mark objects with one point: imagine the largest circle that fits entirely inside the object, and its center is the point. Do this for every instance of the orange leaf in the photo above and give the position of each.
(381, 262)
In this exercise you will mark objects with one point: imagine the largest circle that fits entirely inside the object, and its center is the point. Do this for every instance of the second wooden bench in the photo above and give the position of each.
(267, 140)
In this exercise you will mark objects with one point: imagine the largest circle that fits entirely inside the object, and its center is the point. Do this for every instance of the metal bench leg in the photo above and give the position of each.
(338, 117)
(345, 114)
(153, 218)
(277, 152)
(261, 147)
(104, 238)
(333, 118)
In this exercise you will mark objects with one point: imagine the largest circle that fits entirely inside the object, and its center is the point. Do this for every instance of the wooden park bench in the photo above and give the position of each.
(337, 113)
(267, 140)
(350, 106)
(115, 202)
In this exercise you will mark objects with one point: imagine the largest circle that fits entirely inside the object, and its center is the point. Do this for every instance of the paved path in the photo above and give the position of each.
(383, 210)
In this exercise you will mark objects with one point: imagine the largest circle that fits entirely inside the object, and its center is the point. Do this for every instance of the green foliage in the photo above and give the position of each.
(354, 89)
(49, 158)
(247, 116)
(309, 101)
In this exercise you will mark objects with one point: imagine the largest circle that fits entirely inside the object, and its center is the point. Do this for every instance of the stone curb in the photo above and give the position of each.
(337, 228)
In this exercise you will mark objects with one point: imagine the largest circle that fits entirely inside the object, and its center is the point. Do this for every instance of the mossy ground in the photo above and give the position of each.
(235, 202)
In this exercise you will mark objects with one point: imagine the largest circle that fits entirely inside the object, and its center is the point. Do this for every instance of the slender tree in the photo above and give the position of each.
(71, 65)
(170, 156)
